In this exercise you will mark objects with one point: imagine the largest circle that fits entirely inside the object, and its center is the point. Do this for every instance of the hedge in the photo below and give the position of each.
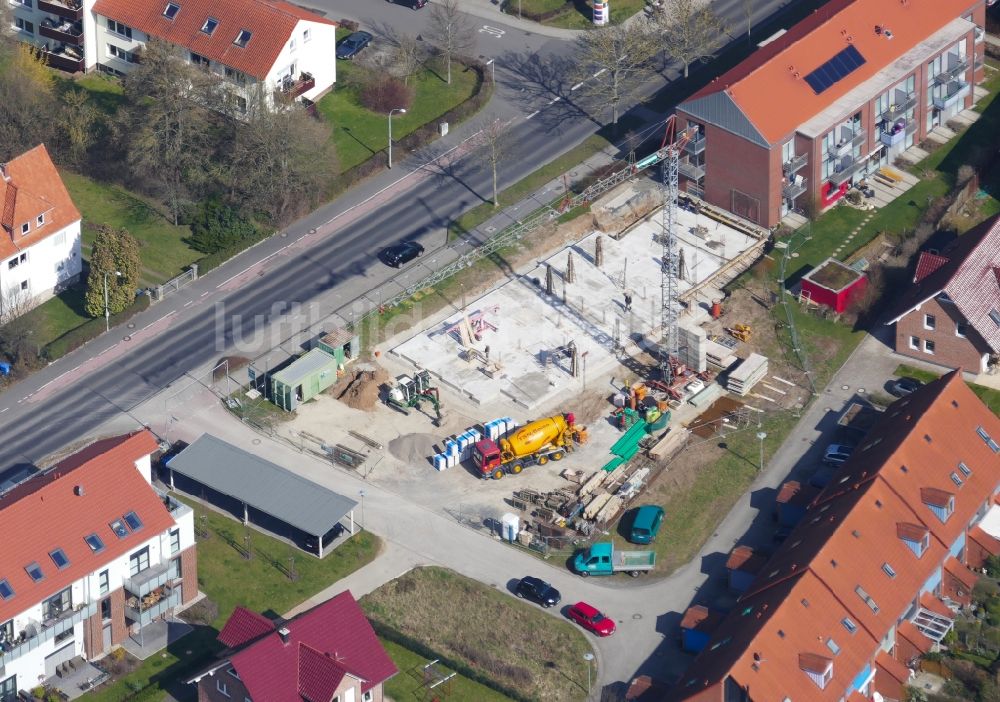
(421, 649)
(214, 260)
(510, 8)
(75, 338)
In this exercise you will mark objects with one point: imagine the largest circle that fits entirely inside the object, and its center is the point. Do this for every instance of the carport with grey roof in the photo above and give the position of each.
(260, 492)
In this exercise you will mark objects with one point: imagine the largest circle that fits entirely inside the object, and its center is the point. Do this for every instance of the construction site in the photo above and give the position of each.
(542, 409)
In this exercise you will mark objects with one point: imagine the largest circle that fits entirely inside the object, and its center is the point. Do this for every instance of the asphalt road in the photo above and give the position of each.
(531, 78)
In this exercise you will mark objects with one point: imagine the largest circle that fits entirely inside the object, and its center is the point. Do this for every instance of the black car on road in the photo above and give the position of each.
(537, 590)
(353, 44)
(400, 254)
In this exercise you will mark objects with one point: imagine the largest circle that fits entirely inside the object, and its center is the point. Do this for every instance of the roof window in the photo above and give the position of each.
(243, 37)
(832, 645)
(888, 570)
(59, 558)
(35, 571)
(995, 316)
(849, 624)
(966, 471)
(118, 526)
(95, 543)
(133, 521)
(171, 10)
(6, 591)
(994, 447)
(955, 479)
(210, 24)
(867, 598)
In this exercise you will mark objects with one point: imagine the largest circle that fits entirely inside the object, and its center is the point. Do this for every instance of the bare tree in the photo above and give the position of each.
(614, 59)
(79, 118)
(493, 142)
(406, 57)
(15, 328)
(28, 108)
(690, 31)
(450, 30)
(747, 6)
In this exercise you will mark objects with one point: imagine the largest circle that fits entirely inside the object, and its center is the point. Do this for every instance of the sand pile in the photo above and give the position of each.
(359, 388)
(414, 449)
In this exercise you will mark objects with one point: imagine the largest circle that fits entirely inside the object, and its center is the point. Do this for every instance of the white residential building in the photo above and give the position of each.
(269, 46)
(92, 555)
(40, 242)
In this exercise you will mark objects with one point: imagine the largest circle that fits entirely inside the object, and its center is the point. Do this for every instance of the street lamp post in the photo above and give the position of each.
(107, 311)
(402, 111)
(361, 493)
(761, 435)
(588, 656)
(493, 70)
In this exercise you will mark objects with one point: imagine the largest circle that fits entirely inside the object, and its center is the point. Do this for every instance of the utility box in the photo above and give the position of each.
(833, 284)
(443, 129)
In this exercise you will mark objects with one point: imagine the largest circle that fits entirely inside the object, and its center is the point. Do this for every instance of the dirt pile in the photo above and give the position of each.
(413, 449)
(359, 388)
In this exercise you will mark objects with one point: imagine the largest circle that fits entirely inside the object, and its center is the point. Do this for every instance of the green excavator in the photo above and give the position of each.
(413, 392)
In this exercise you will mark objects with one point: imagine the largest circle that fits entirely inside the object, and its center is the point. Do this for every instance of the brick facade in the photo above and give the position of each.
(950, 349)
(119, 630)
(93, 636)
(189, 574)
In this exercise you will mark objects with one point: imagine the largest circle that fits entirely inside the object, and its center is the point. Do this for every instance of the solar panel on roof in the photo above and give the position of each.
(837, 68)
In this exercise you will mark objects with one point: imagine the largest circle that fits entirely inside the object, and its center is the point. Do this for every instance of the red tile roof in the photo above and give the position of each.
(243, 626)
(770, 87)
(700, 618)
(909, 631)
(319, 674)
(271, 669)
(270, 22)
(30, 187)
(927, 264)
(848, 560)
(989, 542)
(743, 558)
(46, 513)
(890, 666)
(961, 572)
(968, 277)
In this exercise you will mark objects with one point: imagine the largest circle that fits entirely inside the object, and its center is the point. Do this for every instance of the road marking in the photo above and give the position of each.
(495, 31)
(4, 410)
(577, 85)
(532, 114)
(600, 72)
(205, 293)
(189, 303)
(554, 100)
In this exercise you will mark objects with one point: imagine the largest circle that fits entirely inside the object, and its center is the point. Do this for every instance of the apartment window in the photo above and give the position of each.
(930, 321)
(8, 689)
(882, 103)
(171, 10)
(119, 53)
(291, 44)
(24, 285)
(138, 561)
(7, 631)
(243, 38)
(788, 151)
(911, 85)
(23, 3)
(175, 541)
(241, 103)
(27, 28)
(222, 687)
(40, 220)
(103, 582)
(235, 76)
(915, 343)
(306, 35)
(119, 29)
(934, 68)
(12, 264)
(106, 609)
(210, 24)
(199, 60)
(68, 634)
(367, 697)
(25, 228)
(54, 606)
(929, 346)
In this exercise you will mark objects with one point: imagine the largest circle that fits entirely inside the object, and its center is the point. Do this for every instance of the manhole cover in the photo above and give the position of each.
(131, 325)
(128, 337)
(312, 231)
(845, 387)
(284, 235)
(255, 442)
(491, 229)
(636, 616)
(861, 391)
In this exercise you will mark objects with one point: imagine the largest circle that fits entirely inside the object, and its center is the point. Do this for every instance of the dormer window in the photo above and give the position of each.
(25, 228)
(917, 538)
(941, 503)
(40, 220)
(818, 668)
(242, 38)
(210, 24)
(171, 10)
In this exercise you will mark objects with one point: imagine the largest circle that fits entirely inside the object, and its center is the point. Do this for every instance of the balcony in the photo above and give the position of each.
(152, 578)
(291, 89)
(65, 31)
(176, 508)
(895, 133)
(153, 606)
(696, 145)
(65, 58)
(956, 90)
(691, 171)
(37, 634)
(956, 67)
(846, 170)
(903, 104)
(979, 33)
(67, 10)
(795, 188)
(794, 164)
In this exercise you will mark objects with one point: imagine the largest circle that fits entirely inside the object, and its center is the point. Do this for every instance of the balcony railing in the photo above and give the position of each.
(37, 634)
(891, 137)
(67, 10)
(957, 90)
(904, 103)
(696, 145)
(691, 171)
(64, 60)
(290, 89)
(979, 33)
(66, 31)
(846, 172)
(176, 508)
(794, 189)
(143, 614)
(911, 126)
(795, 163)
(956, 67)
(152, 578)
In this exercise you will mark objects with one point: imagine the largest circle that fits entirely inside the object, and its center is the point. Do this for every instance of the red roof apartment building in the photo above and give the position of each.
(837, 96)
(871, 576)
(951, 314)
(327, 654)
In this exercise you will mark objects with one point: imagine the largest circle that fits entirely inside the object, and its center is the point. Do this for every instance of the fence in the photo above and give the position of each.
(174, 284)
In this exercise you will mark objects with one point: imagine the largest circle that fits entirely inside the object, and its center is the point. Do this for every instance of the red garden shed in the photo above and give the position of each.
(833, 284)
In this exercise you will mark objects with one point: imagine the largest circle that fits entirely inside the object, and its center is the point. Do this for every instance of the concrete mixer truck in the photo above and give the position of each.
(540, 441)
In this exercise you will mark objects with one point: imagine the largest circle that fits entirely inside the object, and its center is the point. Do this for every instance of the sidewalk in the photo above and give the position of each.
(490, 10)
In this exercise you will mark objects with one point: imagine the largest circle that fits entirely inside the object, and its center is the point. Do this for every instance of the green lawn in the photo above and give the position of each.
(989, 396)
(578, 14)
(162, 248)
(408, 683)
(358, 133)
(104, 90)
(55, 317)
(261, 583)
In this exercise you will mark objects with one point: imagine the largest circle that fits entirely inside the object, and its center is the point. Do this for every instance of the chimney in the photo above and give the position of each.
(78, 490)
(284, 633)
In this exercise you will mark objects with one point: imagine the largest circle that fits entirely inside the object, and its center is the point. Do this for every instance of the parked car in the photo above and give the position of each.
(591, 619)
(400, 254)
(836, 454)
(901, 387)
(412, 4)
(646, 524)
(352, 45)
(537, 590)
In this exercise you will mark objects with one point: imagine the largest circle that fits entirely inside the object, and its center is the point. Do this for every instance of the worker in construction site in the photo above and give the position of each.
(628, 302)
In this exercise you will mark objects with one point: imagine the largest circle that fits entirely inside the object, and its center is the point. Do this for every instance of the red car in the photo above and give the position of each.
(590, 618)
